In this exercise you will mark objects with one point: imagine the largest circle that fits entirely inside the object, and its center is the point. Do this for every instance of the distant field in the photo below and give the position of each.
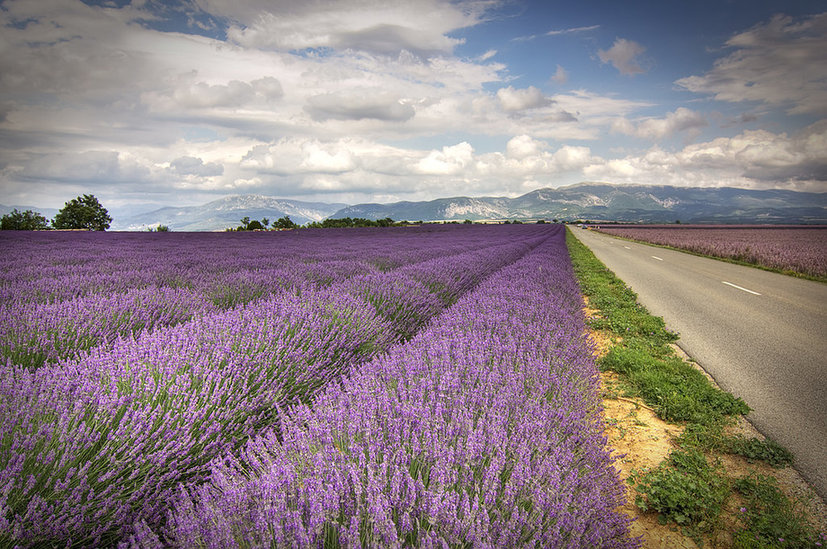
(799, 249)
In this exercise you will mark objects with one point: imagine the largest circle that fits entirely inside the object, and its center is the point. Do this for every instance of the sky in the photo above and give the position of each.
(151, 103)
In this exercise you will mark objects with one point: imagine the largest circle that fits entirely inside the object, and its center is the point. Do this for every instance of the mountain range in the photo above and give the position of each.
(586, 201)
(608, 202)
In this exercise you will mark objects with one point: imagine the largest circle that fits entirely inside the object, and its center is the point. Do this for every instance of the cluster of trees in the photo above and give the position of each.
(354, 222)
(83, 212)
(255, 225)
(286, 223)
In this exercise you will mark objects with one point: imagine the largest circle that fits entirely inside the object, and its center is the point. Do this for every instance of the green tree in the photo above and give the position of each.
(284, 223)
(23, 221)
(83, 212)
(254, 225)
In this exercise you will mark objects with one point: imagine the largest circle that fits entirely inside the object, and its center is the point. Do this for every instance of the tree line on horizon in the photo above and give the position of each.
(87, 213)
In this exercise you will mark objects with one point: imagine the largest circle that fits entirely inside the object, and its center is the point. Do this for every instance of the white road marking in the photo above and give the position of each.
(656, 257)
(627, 247)
(740, 287)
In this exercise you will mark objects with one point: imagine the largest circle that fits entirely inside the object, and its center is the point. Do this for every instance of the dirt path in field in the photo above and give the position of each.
(644, 440)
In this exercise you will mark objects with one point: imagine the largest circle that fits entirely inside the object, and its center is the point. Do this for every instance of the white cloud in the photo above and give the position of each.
(514, 100)
(572, 30)
(449, 161)
(682, 119)
(487, 55)
(378, 26)
(570, 158)
(779, 63)
(191, 165)
(624, 55)
(318, 159)
(756, 159)
(560, 76)
(522, 146)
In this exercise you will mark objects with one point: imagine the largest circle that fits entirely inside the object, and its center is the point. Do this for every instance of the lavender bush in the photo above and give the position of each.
(39, 333)
(800, 249)
(62, 299)
(481, 431)
(95, 446)
(49, 266)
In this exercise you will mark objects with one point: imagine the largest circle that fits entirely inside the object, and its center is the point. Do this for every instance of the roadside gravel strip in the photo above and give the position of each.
(760, 335)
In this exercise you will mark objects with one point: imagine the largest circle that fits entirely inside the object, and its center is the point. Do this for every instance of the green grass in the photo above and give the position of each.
(712, 437)
(690, 488)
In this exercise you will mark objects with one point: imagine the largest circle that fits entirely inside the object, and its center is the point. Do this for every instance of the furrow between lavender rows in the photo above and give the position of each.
(483, 430)
(32, 334)
(98, 444)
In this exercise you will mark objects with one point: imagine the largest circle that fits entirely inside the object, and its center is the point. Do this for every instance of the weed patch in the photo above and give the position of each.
(684, 489)
(770, 518)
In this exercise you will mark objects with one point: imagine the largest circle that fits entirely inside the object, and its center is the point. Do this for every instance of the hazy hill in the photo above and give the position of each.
(227, 212)
(48, 213)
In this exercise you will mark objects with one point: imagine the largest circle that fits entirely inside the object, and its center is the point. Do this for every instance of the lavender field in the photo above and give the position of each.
(318, 388)
(795, 249)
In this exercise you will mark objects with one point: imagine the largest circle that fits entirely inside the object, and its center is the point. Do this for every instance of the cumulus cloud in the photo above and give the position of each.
(449, 161)
(301, 156)
(514, 100)
(569, 158)
(191, 165)
(625, 56)
(682, 119)
(523, 146)
(778, 63)
(350, 164)
(756, 159)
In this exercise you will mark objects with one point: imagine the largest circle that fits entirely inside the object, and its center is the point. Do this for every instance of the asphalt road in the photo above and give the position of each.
(762, 336)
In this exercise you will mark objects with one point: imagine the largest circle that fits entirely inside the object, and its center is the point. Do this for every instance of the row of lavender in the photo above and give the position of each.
(61, 296)
(800, 249)
(92, 446)
(49, 267)
(481, 431)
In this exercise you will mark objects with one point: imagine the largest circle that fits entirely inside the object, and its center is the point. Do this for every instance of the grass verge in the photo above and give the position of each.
(691, 488)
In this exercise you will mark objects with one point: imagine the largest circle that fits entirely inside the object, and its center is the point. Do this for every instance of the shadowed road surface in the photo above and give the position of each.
(761, 335)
